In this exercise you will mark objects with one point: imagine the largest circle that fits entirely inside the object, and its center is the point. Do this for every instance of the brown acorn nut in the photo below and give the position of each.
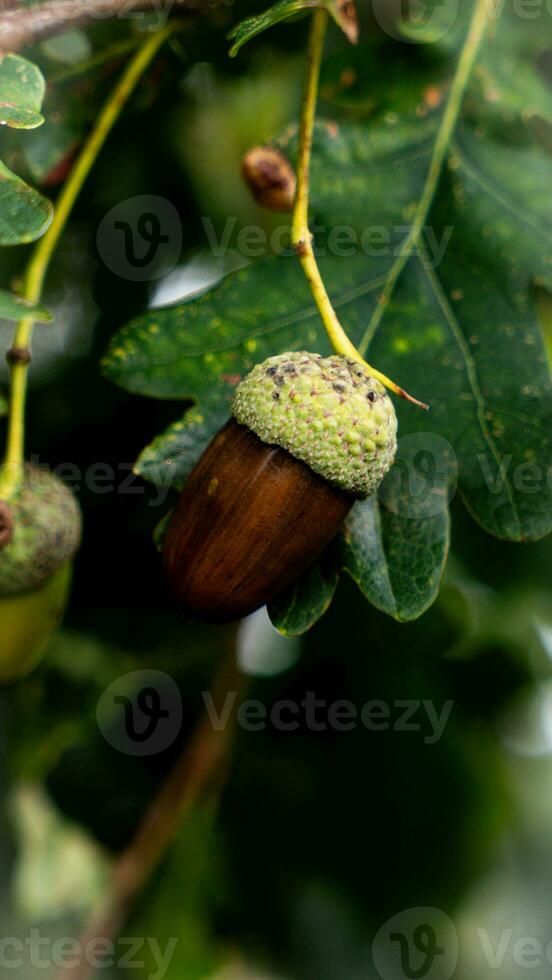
(270, 177)
(309, 436)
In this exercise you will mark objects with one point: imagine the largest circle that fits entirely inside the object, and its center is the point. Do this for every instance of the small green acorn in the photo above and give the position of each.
(42, 530)
(27, 622)
(309, 436)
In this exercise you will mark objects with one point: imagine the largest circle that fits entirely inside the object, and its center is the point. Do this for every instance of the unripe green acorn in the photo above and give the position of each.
(27, 622)
(42, 530)
(308, 437)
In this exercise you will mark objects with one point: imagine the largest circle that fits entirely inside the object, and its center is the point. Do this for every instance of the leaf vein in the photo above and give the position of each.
(287, 321)
(471, 369)
(486, 185)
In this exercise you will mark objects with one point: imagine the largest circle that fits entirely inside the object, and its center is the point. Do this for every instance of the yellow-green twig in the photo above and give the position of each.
(12, 469)
(301, 236)
(474, 39)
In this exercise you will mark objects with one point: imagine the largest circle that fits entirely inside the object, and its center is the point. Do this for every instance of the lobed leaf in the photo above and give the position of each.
(302, 605)
(397, 561)
(449, 312)
(24, 213)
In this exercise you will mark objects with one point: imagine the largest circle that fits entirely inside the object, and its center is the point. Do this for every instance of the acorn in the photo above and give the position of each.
(270, 177)
(309, 436)
(40, 530)
(27, 622)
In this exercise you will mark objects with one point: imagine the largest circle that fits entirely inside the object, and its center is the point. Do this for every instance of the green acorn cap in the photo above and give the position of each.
(44, 523)
(328, 412)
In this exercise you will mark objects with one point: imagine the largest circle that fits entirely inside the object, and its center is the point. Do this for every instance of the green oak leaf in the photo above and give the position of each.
(394, 545)
(72, 103)
(15, 308)
(397, 561)
(302, 605)
(432, 211)
(24, 213)
(21, 93)
(342, 12)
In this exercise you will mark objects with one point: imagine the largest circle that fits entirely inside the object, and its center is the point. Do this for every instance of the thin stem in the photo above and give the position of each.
(301, 236)
(472, 44)
(198, 775)
(310, 97)
(12, 469)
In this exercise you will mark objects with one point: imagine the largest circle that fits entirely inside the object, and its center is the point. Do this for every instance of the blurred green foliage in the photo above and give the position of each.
(317, 837)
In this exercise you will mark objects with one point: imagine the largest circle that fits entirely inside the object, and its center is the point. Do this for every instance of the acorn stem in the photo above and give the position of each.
(11, 473)
(301, 235)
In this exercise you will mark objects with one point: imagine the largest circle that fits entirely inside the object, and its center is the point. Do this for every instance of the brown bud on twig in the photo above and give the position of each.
(270, 177)
(18, 355)
(347, 19)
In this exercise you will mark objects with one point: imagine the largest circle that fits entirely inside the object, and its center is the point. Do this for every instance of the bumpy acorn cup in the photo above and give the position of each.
(40, 529)
(308, 437)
